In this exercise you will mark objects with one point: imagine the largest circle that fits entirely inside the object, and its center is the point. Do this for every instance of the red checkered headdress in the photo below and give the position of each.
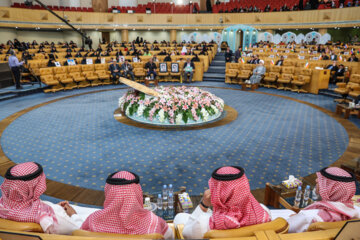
(233, 204)
(336, 188)
(21, 190)
(123, 211)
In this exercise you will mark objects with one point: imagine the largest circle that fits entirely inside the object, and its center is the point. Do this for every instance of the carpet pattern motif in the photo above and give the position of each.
(79, 142)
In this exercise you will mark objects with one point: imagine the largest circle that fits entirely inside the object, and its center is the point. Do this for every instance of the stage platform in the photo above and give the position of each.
(12, 92)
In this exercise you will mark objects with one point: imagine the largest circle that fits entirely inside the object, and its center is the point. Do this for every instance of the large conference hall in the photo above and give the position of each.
(179, 119)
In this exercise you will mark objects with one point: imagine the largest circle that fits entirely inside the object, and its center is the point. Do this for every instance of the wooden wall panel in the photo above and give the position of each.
(346, 17)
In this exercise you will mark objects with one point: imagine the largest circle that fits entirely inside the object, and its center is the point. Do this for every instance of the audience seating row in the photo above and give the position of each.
(277, 229)
(79, 76)
(351, 88)
(54, 8)
(285, 78)
(158, 7)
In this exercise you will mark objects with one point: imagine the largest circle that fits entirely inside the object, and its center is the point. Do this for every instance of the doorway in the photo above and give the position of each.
(105, 36)
(239, 39)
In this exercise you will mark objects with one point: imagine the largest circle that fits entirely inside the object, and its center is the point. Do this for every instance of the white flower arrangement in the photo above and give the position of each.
(161, 115)
(178, 119)
(177, 105)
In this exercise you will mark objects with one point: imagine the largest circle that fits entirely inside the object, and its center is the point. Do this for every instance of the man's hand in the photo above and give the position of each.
(206, 200)
(68, 209)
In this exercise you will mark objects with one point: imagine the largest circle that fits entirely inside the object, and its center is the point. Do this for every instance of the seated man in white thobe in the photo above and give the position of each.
(336, 188)
(258, 73)
(233, 205)
(21, 190)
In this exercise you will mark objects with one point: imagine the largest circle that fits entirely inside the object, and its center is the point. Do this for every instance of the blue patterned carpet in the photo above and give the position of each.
(78, 141)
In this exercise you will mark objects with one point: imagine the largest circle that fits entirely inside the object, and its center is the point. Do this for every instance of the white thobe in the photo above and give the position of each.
(197, 224)
(301, 221)
(66, 225)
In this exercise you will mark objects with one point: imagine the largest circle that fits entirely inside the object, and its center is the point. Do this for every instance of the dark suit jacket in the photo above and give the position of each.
(130, 68)
(340, 72)
(333, 68)
(353, 60)
(228, 56)
(279, 63)
(150, 66)
(112, 68)
(237, 55)
(191, 65)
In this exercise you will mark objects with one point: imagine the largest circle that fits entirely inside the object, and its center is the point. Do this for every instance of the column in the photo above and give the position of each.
(124, 35)
(100, 5)
(322, 31)
(127, 3)
(5, 3)
(172, 35)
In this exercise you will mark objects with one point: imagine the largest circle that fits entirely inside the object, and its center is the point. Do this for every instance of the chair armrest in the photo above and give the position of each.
(179, 231)
(341, 85)
(326, 225)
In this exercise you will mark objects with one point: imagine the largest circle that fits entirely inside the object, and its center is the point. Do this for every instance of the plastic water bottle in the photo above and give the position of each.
(314, 195)
(298, 197)
(171, 189)
(171, 206)
(159, 206)
(306, 196)
(165, 192)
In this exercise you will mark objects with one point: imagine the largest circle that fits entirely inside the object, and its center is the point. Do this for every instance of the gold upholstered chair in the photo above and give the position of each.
(317, 226)
(84, 233)
(19, 226)
(285, 78)
(303, 78)
(272, 76)
(279, 225)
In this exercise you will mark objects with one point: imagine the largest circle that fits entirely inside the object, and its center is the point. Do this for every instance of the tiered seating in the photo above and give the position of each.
(261, 4)
(157, 7)
(298, 70)
(54, 8)
(70, 77)
(280, 77)
(351, 88)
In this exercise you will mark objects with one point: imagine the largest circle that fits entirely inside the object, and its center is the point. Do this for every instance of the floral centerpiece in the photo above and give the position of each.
(176, 105)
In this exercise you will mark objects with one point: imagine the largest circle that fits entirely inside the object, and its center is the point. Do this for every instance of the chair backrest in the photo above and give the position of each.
(87, 68)
(231, 70)
(115, 235)
(20, 226)
(274, 74)
(306, 72)
(288, 70)
(245, 72)
(75, 68)
(60, 70)
(355, 78)
(234, 66)
(46, 71)
(101, 71)
(75, 74)
(289, 63)
(138, 65)
(100, 67)
(286, 76)
(88, 73)
(61, 75)
(279, 225)
(275, 68)
(247, 66)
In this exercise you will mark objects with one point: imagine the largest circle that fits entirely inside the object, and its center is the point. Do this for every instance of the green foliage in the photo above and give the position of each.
(185, 118)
